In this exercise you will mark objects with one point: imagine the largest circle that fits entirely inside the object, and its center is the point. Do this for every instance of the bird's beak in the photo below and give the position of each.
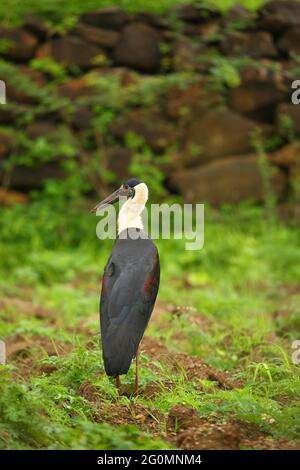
(111, 199)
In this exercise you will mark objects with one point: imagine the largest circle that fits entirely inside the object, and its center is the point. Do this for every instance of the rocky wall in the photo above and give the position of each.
(206, 97)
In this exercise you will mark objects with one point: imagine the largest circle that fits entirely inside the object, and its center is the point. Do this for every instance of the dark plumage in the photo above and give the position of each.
(129, 289)
(132, 182)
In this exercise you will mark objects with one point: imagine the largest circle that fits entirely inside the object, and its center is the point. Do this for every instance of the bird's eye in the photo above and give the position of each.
(125, 186)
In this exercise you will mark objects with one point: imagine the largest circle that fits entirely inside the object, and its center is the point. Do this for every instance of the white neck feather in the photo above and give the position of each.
(130, 212)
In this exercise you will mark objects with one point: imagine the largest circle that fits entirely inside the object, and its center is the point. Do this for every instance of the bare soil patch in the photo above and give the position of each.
(188, 430)
(191, 366)
(19, 307)
(25, 353)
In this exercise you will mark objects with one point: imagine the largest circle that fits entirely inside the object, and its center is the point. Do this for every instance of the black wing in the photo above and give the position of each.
(129, 289)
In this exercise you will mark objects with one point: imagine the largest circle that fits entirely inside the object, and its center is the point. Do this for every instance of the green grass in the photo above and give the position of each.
(66, 11)
(50, 257)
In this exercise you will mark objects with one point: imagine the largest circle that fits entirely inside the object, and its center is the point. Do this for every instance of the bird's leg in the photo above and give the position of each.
(137, 373)
(118, 383)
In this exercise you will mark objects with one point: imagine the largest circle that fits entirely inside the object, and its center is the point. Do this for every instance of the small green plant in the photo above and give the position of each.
(287, 127)
(224, 71)
(49, 66)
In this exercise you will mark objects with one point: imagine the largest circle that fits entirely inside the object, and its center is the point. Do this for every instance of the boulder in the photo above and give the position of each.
(38, 26)
(257, 99)
(287, 156)
(255, 44)
(101, 37)
(290, 42)
(278, 15)
(21, 43)
(154, 20)
(108, 18)
(217, 134)
(138, 48)
(10, 198)
(259, 93)
(185, 102)
(194, 13)
(262, 73)
(25, 178)
(148, 124)
(226, 181)
(71, 51)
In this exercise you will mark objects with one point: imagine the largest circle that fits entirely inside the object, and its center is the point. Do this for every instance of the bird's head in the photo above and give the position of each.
(129, 189)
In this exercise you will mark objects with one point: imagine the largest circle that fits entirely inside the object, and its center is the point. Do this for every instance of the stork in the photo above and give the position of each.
(129, 285)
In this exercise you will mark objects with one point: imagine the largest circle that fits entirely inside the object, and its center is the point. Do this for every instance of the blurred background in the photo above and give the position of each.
(194, 98)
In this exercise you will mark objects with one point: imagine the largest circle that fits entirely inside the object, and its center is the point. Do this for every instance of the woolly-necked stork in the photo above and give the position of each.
(130, 283)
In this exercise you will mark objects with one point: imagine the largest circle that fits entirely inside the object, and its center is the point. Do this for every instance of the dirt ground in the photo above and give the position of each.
(182, 426)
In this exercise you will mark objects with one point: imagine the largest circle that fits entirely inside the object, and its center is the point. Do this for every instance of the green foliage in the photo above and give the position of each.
(48, 65)
(45, 99)
(59, 144)
(21, 420)
(287, 127)
(225, 5)
(237, 282)
(64, 14)
(224, 71)
(24, 425)
(90, 436)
